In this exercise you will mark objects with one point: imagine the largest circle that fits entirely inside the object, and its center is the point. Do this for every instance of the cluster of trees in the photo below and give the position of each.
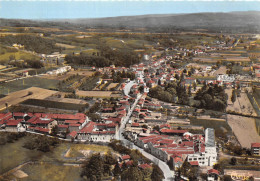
(89, 60)
(32, 43)
(27, 63)
(106, 57)
(92, 112)
(171, 92)
(211, 97)
(42, 143)
(187, 170)
(10, 137)
(118, 76)
(98, 166)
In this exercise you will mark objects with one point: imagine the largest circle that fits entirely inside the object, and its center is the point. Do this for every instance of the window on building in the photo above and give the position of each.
(195, 158)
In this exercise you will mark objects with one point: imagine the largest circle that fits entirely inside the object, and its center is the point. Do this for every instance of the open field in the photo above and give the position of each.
(13, 154)
(81, 149)
(67, 100)
(242, 104)
(18, 55)
(244, 129)
(218, 124)
(54, 164)
(54, 172)
(87, 73)
(22, 95)
(25, 83)
(54, 104)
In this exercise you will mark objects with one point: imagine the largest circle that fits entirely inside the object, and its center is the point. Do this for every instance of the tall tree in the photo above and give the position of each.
(157, 174)
(233, 96)
(117, 170)
(194, 85)
(132, 174)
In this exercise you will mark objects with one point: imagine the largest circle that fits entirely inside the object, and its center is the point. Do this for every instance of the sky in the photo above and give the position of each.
(48, 9)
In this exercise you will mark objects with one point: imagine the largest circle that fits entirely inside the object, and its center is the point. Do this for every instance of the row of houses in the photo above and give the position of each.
(180, 146)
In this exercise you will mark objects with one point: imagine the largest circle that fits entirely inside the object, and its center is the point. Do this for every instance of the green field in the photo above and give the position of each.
(27, 83)
(52, 172)
(219, 126)
(6, 52)
(52, 165)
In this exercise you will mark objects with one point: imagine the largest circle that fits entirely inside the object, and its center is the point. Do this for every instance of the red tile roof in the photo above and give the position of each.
(73, 134)
(13, 122)
(177, 159)
(194, 163)
(187, 143)
(213, 171)
(45, 130)
(18, 114)
(165, 125)
(88, 128)
(145, 166)
(125, 157)
(63, 126)
(129, 163)
(74, 125)
(255, 145)
(70, 121)
(135, 124)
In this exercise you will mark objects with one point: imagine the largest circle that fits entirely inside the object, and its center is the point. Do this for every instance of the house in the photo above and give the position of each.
(46, 123)
(255, 148)
(177, 159)
(207, 153)
(213, 175)
(224, 78)
(12, 125)
(124, 158)
(99, 132)
(145, 166)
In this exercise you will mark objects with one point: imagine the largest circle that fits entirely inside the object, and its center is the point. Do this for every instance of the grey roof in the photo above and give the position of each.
(210, 137)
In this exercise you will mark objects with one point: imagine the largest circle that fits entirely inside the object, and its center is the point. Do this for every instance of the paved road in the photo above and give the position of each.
(128, 87)
(168, 174)
(123, 123)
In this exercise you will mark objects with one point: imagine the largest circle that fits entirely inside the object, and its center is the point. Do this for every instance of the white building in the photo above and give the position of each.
(207, 156)
(224, 78)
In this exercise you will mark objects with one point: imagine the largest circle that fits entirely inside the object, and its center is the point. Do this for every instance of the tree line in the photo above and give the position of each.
(99, 166)
(209, 96)
(106, 57)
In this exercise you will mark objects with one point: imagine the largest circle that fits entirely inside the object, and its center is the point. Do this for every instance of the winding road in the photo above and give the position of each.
(168, 174)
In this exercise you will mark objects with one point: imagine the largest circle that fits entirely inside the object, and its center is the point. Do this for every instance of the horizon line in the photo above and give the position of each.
(48, 19)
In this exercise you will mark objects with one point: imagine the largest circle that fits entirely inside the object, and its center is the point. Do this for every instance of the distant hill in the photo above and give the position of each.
(228, 22)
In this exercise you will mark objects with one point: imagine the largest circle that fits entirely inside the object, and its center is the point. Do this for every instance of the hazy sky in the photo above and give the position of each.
(93, 9)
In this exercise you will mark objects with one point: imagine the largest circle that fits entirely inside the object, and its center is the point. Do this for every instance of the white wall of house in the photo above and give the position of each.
(96, 137)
